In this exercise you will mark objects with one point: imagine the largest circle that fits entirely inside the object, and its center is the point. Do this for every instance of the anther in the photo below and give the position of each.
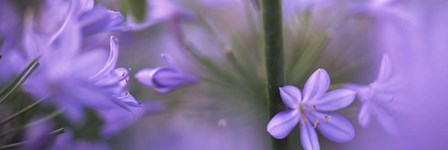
(327, 118)
(303, 121)
(316, 123)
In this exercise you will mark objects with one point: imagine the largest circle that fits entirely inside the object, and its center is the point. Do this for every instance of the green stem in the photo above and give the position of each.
(17, 114)
(273, 51)
(13, 145)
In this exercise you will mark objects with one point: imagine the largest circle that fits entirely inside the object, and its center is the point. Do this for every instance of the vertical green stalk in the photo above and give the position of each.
(273, 51)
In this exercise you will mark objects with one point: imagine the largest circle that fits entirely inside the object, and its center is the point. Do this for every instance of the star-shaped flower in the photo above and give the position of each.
(377, 96)
(312, 109)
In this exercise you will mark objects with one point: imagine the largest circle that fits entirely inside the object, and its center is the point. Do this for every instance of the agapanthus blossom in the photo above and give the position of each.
(73, 80)
(312, 109)
(377, 97)
(165, 79)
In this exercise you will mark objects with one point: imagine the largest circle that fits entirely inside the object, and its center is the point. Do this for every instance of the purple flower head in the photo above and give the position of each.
(100, 19)
(376, 98)
(73, 80)
(165, 79)
(160, 11)
(312, 109)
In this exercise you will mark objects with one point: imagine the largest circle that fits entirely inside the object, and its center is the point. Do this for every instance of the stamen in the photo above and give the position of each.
(316, 123)
(303, 121)
(327, 118)
(314, 106)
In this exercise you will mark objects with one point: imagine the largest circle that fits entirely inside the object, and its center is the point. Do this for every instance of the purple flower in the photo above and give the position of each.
(38, 135)
(376, 98)
(66, 141)
(312, 110)
(382, 9)
(165, 79)
(159, 11)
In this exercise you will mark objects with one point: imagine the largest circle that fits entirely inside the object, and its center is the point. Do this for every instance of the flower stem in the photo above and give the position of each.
(24, 110)
(273, 51)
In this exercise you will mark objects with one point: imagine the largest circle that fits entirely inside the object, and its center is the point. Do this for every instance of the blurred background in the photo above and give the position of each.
(219, 41)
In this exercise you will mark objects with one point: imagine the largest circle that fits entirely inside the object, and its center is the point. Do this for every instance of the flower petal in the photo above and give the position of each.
(334, 100)
(282, 123)
(291, 96)
(110, 62)
(316, 85)
(308, 137)
(386, 120)
(335, 127)
(364, 116)
(385, 69)
(145, 76)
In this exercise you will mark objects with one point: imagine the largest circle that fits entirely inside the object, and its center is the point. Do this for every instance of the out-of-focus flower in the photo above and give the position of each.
(312, 110)
(66, 141)
(376, 98)
(38, 136)
(382, 9)
(159, 11)
(165, 79)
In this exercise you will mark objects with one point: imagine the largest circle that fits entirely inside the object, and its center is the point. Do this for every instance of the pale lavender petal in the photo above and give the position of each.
(316, 85)
(387, 121)
(364, 116)
(89, 63)
(385, 69)
(127, 98)
(282, 123)
(335, 127)
(308, 137)
(170, 60)
(110, 62)
(291, 96)
(334, 100)
(100, 19)
(144, 76)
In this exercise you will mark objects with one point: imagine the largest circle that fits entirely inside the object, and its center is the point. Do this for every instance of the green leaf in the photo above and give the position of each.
(136, 7)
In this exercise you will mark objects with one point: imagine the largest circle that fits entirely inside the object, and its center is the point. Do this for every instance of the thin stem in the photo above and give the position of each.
(18, 81)
(15, 115)
(13, 145)
(29, 125)
(273, 51)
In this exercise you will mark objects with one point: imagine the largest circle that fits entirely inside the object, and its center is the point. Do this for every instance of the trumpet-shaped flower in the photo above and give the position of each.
(376, 98)
(312, 109)
(165, 79)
